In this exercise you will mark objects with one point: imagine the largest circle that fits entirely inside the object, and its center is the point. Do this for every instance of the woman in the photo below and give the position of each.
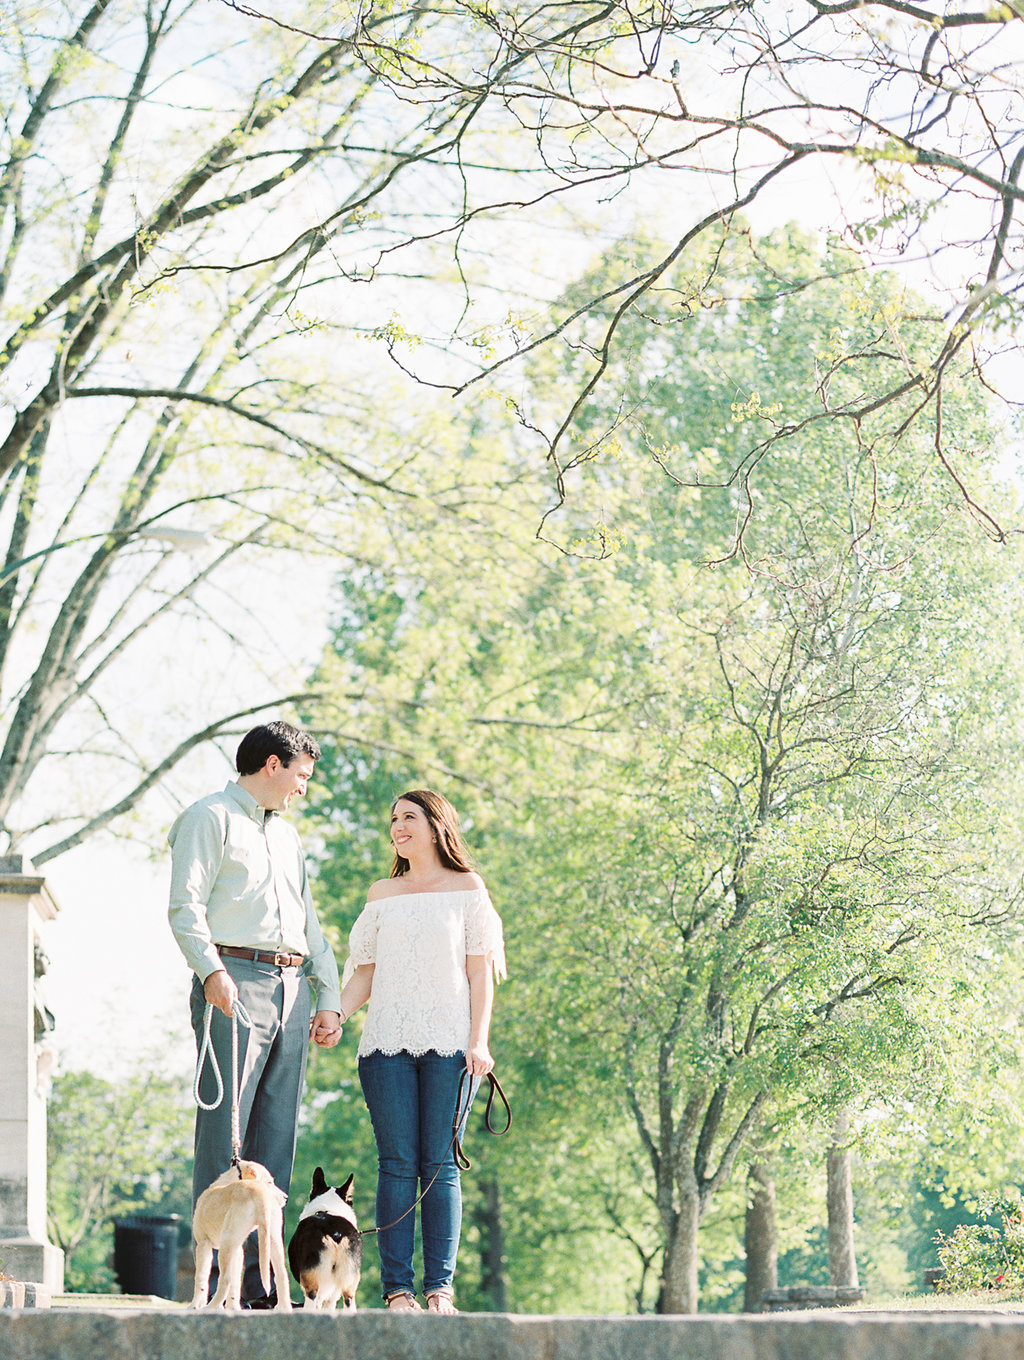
(424, 952)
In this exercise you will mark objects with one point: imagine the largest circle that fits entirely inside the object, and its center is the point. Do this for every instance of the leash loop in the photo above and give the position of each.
(238, 1013)
(461, 1115)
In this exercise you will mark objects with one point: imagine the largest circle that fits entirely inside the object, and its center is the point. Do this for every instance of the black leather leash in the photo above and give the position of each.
(461, 1160)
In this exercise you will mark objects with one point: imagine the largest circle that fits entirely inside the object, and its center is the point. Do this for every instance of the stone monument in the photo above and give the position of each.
(26, 904)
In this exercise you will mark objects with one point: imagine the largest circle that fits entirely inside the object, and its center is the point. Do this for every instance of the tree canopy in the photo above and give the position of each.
(243, 250)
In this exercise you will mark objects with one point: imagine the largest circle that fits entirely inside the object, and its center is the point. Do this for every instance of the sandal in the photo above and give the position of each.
(402, 1302)
(441, 1301)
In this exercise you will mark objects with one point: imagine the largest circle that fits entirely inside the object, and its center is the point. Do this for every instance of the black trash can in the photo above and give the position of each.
(146, 1254)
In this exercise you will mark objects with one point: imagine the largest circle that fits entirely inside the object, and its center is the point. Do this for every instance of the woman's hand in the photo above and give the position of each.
(478, 1060)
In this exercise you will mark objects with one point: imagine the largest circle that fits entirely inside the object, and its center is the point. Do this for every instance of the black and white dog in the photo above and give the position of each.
(326, 1250)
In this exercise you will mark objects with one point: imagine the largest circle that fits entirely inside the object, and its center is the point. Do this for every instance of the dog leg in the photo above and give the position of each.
(229, 1286)
(281, 1281)
(204, 1264)
(347, 1274)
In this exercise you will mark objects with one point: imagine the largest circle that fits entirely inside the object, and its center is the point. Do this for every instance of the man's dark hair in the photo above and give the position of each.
(279, 739)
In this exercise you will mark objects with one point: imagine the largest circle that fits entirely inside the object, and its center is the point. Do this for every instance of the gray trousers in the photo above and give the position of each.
(271, 1070)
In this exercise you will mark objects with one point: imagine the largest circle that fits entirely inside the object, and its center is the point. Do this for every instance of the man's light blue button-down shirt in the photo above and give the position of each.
(238, 877)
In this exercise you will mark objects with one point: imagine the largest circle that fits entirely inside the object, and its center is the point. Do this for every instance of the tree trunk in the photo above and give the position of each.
(760, 1240)
(493, 1281)
(679, 1291)
(842, 1259)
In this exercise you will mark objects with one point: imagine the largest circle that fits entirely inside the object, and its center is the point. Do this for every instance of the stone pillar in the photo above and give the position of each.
(25, 905)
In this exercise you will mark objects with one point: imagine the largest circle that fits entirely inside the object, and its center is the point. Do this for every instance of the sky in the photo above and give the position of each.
(117, 984)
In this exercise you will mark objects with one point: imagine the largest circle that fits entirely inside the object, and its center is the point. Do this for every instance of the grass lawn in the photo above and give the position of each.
(978, 1301)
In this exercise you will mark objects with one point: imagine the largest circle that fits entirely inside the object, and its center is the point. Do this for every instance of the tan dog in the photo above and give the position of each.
(244, 1199)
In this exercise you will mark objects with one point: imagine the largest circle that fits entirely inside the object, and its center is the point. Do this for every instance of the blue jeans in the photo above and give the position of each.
(411, 1100)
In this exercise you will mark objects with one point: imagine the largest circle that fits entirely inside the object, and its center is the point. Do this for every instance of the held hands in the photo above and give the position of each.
(220, 990)
(325, 1028)
(478, 1060)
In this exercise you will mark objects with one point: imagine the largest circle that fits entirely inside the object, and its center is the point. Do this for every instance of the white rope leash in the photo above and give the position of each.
(238, 1012)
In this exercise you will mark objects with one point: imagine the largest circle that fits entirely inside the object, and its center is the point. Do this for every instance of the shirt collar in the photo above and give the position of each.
(248, 803)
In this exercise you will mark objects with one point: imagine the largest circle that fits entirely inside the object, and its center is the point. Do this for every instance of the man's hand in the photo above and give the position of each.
(220, 990)
(325, 1028)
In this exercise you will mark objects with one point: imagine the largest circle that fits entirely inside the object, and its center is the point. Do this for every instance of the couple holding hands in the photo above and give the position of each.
(424, 954)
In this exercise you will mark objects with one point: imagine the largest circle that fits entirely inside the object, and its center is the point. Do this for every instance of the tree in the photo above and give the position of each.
(809, 547)
(750, 814)
(112, 1148)
(163, 451)
(904, 118)
(842, 1257)
(760, 1240)
(776, 922)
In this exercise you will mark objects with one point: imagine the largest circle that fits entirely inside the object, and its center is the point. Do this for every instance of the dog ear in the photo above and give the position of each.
(320, 1186)
(345, 1191)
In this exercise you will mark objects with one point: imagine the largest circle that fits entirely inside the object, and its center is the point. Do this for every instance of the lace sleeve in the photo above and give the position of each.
(484, 933)
(362, 941)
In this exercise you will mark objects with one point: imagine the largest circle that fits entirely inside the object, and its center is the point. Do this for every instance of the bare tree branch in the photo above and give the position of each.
(153, 777)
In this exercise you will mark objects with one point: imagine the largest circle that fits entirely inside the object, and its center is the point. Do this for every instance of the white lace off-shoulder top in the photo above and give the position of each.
(418, 943)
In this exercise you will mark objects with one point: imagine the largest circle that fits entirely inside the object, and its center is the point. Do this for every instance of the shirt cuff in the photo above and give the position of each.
(328, 998)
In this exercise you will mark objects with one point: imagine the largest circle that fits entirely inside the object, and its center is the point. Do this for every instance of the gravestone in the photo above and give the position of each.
(26, 905)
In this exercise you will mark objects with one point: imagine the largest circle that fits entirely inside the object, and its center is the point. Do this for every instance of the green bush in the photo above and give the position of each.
(985, 1255)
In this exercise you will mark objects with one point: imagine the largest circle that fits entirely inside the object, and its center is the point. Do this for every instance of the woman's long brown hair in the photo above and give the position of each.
(444, 822)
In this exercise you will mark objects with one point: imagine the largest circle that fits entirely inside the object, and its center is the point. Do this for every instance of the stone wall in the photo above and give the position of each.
(157, 1334)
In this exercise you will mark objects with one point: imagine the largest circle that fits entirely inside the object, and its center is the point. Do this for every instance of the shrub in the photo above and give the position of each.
(985, 1255)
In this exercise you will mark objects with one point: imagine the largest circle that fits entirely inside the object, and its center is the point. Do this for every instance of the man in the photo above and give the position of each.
(241, 911)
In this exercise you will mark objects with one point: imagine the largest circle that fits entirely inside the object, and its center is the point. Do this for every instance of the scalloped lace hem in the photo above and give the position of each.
(413, 1052)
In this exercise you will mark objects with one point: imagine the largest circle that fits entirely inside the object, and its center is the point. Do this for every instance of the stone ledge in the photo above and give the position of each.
(176, 1334)
(812, 1296)
(23, 1294)
(107, 1302)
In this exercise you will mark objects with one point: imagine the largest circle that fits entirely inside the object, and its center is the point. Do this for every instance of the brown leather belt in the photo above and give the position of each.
(262, 956)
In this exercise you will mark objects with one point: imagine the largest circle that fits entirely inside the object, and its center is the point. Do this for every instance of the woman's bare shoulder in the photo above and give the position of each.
(470, 880)
(384, 887)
